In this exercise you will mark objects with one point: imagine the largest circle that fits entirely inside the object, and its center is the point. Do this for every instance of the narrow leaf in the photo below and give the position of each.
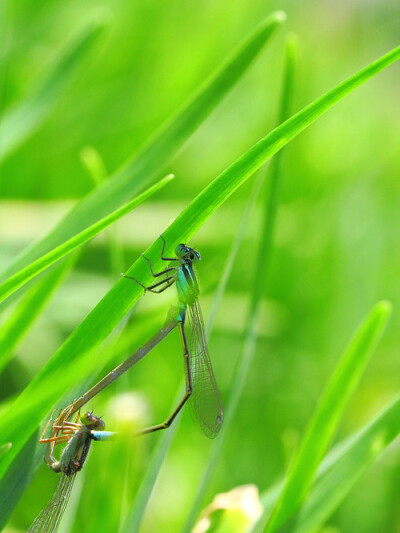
(23, 276)
(327, 416)
(338, 472)
(332, 487)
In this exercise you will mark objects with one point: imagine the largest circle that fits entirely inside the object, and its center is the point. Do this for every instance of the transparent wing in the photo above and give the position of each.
(49, 517)
(205, 402)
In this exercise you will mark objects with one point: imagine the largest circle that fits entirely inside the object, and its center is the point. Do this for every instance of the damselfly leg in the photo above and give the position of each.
(163, 284)
(188, 391)
(168, 281)
(156, 274)
(162, 252)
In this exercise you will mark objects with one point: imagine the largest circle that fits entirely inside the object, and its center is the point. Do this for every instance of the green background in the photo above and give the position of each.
(335, 251)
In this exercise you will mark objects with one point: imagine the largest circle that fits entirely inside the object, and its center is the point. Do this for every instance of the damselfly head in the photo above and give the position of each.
(89, 419)
(184, 252)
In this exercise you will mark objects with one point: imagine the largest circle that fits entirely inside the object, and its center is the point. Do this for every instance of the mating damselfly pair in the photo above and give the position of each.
(201, 391)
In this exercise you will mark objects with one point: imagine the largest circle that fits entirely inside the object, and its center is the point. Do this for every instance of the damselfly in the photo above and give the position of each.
(79, 437)
(201, 387)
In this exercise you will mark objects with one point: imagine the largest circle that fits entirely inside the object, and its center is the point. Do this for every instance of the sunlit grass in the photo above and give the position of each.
(138, 485)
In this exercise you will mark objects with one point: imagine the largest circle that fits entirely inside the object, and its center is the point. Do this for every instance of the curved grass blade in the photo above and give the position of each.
(332, 487)
(338, 472)
(76, 358)
(326, 418)
(23, 276)
(219, 190)
(19, 122)
(145, 169)
(28, 309)
(264, 251)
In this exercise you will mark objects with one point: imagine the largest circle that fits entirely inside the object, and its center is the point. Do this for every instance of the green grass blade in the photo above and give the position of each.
(23, 276)
(338, 472)
(264, 250)
(331, 489)
(27, 310)
(208, 201)
(19, 122)
(326, 418)
(75, 359)
(148, 166)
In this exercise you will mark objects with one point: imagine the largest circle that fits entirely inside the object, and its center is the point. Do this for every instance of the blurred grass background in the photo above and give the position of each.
(336, 244)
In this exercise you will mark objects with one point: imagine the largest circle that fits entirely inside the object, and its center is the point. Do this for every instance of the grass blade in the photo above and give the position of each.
(208, 201)
(23, 276)
(326, 418)
(359, 454)
(242, 366)
(75, 360)
(27, 310)
(339, 471)
(19, 122)
(148, 166)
